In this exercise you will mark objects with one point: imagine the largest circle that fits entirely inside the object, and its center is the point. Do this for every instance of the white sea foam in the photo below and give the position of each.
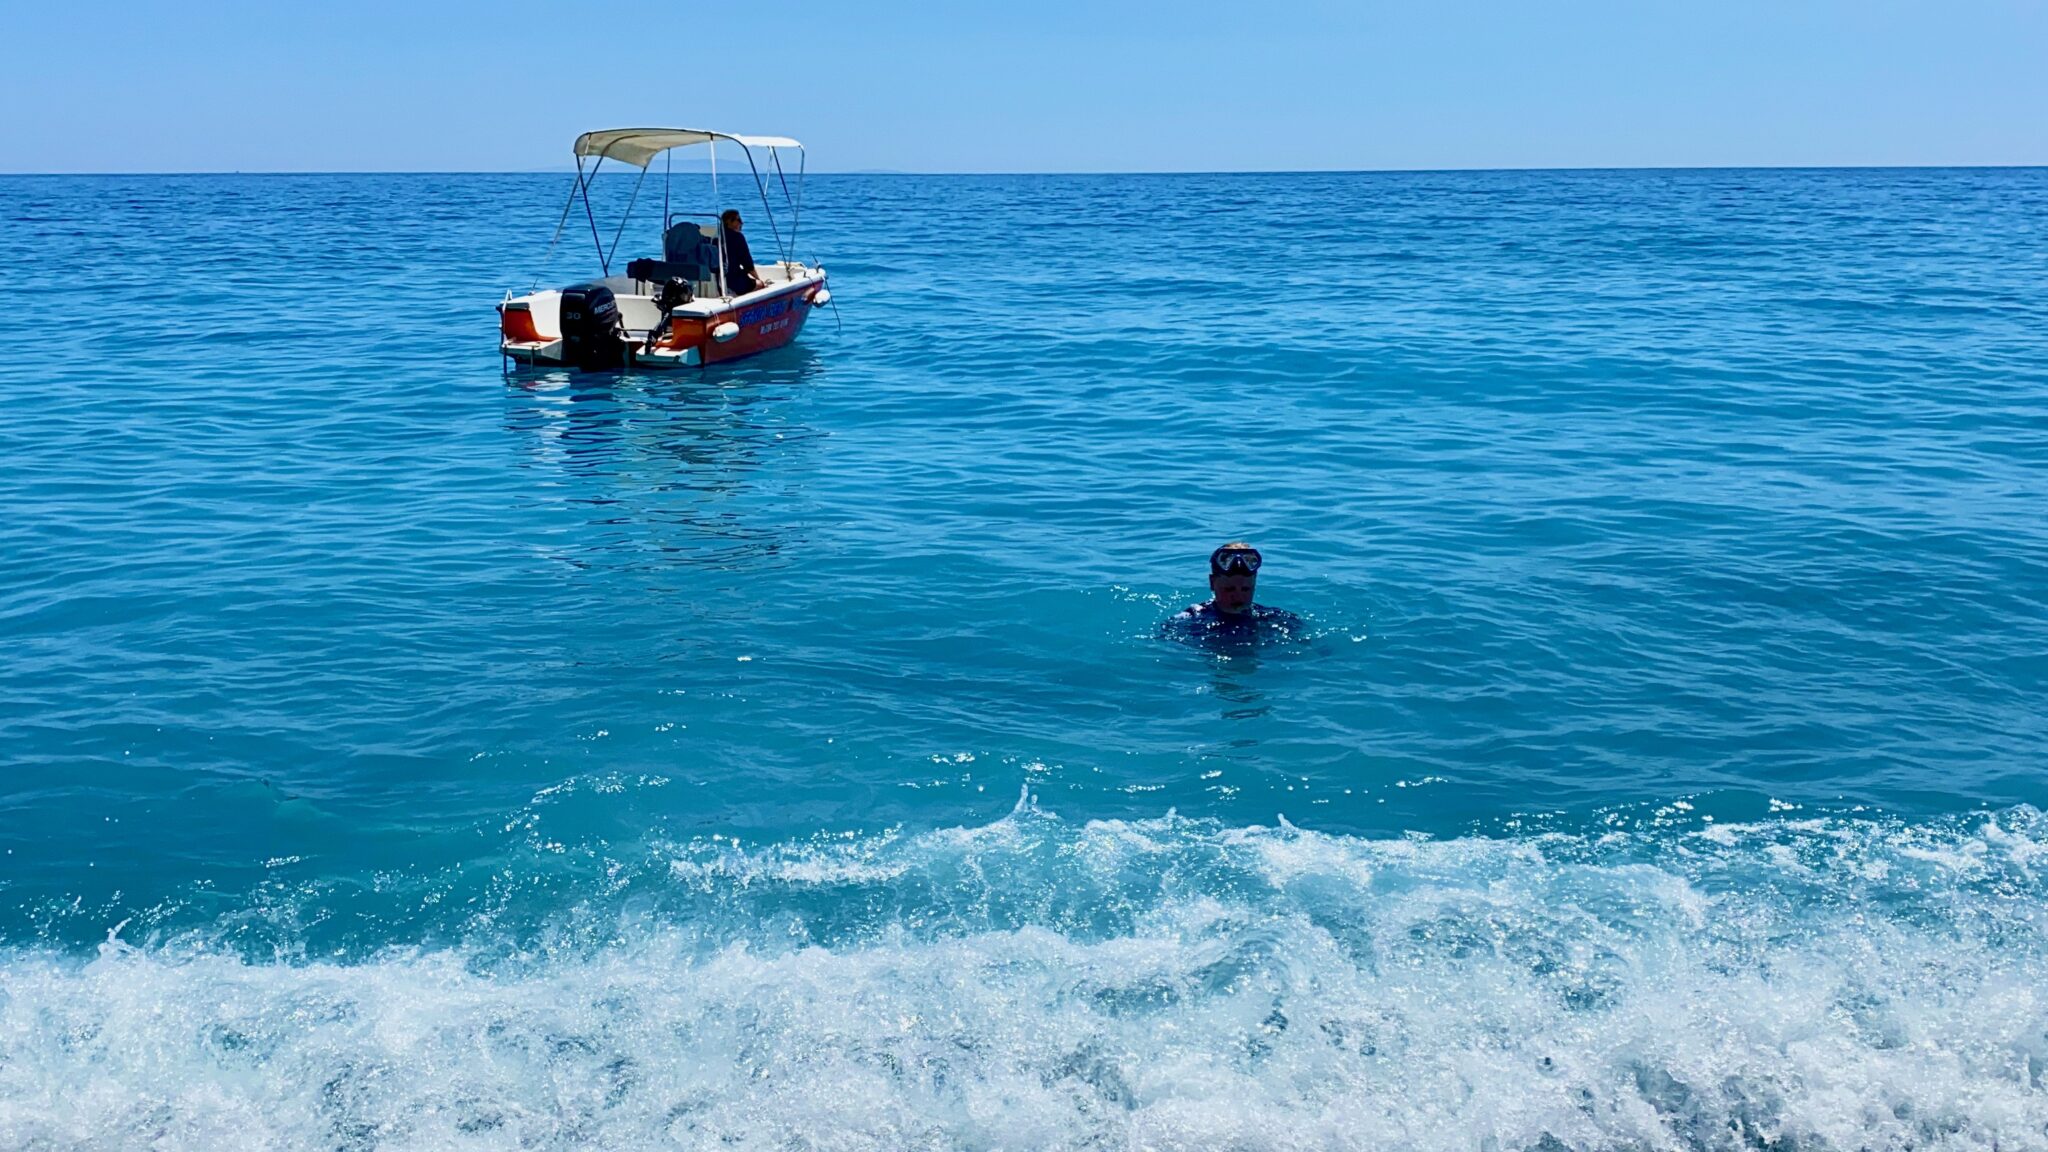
(1752, 988)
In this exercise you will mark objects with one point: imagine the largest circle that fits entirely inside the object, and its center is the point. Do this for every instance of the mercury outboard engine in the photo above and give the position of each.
(592, 338)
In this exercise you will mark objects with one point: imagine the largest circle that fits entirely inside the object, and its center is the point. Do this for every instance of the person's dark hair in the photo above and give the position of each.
(728, 216)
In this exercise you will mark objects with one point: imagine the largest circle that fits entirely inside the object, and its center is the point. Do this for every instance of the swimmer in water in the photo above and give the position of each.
(1231, 610)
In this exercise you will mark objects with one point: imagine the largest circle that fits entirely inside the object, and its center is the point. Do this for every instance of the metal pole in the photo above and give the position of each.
(723, 291)
(622, 219)
(802, 159)
(761, 186)
(555, 239)
(584, 184)
(796, 202)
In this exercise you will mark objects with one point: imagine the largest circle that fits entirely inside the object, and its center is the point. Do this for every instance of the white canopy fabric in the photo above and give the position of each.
(639, 146)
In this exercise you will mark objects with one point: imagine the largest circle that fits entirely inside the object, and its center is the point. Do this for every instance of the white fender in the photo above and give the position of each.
(725, 331)
(821, 297)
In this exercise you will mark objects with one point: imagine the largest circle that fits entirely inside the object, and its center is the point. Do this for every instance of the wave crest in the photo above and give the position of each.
(1818, 984)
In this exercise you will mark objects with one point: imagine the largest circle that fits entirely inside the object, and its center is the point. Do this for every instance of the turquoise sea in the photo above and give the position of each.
(397, 753)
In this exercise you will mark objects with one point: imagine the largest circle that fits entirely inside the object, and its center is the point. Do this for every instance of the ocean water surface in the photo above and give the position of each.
(400, 753)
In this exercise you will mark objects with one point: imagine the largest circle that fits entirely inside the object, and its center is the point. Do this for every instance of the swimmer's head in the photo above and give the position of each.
(1234, 576)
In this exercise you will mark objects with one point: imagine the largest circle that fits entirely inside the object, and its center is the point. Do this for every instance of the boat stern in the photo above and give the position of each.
(530, 327)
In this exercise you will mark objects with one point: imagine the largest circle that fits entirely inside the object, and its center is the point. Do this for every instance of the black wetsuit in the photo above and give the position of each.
(1256, 623)
(739, 264)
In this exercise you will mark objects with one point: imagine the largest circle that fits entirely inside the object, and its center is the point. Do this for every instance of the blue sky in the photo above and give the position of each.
(1052, 85)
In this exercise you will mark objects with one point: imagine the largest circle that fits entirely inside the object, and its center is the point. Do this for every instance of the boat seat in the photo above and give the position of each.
(690, 243)
(663, 271)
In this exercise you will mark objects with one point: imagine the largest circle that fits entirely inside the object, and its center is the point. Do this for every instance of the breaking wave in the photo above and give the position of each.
(1836, 983)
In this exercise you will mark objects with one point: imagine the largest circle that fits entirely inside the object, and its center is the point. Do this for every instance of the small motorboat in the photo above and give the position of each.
(675, 311)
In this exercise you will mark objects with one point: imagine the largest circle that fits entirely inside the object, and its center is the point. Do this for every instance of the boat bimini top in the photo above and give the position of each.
(639, 146)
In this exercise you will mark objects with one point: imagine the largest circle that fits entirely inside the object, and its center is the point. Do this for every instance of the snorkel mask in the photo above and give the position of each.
(1228, 559)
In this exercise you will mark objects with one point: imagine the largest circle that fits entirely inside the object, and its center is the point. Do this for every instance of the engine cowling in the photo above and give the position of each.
(592, 337)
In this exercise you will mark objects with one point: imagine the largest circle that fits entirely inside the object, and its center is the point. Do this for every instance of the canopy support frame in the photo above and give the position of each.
(584, 179)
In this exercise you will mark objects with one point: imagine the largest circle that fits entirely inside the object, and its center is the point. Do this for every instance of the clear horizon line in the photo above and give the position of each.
(1071, 172)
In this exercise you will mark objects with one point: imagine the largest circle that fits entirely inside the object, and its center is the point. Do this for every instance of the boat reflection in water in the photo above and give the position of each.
(669, 470)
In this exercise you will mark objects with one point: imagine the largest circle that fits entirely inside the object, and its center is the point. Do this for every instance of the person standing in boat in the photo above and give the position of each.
(740, 277)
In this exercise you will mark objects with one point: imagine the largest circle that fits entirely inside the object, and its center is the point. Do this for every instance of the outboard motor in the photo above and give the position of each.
(674, 293)
(592, 338)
